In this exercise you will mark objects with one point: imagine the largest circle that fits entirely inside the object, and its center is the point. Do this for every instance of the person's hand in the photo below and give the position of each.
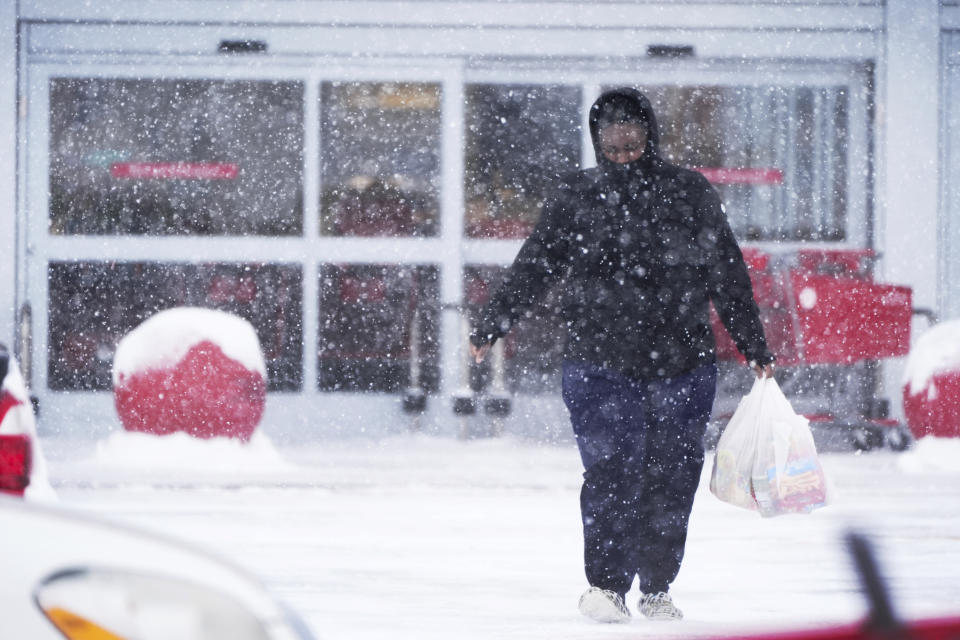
(479, 353)
(765, 371)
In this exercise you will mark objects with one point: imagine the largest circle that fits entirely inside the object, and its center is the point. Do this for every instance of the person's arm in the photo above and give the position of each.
(540, 262)
(730, 287)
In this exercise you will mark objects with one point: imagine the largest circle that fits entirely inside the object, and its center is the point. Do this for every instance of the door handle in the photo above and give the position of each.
(24, 346)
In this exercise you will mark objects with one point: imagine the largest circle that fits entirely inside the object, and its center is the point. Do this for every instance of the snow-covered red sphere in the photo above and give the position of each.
(931, 392)
(194, 370)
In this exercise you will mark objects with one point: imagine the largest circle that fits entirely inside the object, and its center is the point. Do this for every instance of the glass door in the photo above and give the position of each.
(307, 202)
(380, 177)
(137, 164)
(786, 146)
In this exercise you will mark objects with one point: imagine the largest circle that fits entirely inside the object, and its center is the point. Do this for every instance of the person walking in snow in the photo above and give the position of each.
(640, 248)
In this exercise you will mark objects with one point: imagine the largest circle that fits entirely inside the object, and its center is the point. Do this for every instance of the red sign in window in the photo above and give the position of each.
(174, 170)
(725, 175)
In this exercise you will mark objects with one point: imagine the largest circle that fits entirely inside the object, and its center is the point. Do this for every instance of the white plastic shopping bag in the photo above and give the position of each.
(766, 459)
(731, 480)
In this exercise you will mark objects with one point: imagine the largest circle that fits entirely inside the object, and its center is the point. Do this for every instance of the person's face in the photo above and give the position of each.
(623, 143)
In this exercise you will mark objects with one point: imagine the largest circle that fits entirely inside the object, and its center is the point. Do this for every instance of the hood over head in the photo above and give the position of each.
(624, 105)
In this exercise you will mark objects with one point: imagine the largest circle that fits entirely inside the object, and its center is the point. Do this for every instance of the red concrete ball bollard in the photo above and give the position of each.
(938, 415)
(931, 394)
(198, 371)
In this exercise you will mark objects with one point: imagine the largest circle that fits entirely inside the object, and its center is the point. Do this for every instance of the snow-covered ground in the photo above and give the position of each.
(423, 537)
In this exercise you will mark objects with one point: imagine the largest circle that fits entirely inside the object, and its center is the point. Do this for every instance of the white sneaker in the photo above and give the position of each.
(603, 606)
(659, 606)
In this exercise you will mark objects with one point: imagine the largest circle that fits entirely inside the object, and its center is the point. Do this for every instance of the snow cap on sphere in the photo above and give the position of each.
(936, 351)
(165, 338)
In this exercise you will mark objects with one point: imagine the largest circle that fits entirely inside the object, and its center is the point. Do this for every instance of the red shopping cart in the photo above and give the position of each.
(829, 324)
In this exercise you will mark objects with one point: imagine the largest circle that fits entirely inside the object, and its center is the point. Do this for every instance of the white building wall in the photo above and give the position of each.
(907, 225)
(909, 116)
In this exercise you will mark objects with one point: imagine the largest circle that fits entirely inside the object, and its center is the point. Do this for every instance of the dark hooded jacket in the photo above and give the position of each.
(640, 250)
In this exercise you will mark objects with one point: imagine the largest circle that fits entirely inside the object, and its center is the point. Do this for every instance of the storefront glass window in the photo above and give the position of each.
(175, 157)
(380, 159)
(518, 140)
(94, 304)
(777, 155)
(378, 327)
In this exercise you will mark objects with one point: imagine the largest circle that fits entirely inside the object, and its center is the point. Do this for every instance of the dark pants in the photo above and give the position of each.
(642, 449)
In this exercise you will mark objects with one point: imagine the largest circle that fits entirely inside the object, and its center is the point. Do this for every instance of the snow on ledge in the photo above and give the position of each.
(179, 459)
(164, 339)
(936, 351)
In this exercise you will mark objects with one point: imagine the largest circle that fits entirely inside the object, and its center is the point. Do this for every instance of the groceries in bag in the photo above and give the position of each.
(766, 459)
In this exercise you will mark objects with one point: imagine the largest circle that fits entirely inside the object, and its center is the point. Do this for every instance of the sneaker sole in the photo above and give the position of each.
(663, 618)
